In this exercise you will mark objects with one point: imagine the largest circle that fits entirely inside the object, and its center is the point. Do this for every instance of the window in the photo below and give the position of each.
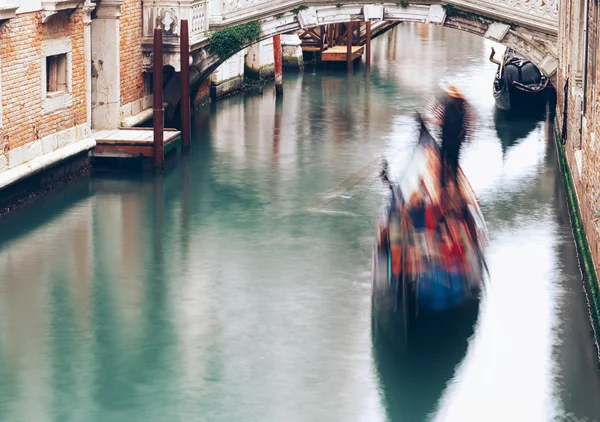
(592, 61)
(56, 75)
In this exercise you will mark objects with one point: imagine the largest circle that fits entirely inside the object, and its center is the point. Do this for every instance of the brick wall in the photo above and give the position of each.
(582, 146)
(21, 39)
(132, 83)
(202, 96)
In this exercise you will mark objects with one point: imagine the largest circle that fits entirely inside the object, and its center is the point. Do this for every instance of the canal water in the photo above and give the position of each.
(236, 286)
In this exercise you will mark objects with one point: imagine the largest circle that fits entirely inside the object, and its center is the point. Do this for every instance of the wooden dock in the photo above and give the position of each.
(338, 53)
(131, 142)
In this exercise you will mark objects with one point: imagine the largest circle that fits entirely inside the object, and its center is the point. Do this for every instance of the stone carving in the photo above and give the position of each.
(167, 20)
(147, 61)
(540, 9)
(233, 5)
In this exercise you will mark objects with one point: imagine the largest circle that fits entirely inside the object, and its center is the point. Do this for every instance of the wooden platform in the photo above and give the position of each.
(338, 53)
(131, 142)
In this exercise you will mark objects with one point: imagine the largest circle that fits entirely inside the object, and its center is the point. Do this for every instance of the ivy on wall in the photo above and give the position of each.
(228, 41)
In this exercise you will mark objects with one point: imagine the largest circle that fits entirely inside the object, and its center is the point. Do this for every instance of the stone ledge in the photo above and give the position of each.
(52, 7)
(43, 162)
(7, 12)
(47, 144)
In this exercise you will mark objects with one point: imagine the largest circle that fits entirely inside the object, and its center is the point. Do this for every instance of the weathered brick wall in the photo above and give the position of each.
(583, 145)
(132, 83)
(202, 96)
(21, 39)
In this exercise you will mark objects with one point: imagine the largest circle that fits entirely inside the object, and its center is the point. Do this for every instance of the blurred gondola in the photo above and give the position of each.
(428, 261)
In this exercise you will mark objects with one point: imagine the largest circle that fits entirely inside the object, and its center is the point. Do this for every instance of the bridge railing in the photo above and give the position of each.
(233, 11)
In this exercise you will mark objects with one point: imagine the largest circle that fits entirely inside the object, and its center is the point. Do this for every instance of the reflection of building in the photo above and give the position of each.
(40, 269)
(579, 42)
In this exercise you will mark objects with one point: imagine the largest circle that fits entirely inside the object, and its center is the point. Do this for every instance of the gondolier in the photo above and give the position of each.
(456, 117)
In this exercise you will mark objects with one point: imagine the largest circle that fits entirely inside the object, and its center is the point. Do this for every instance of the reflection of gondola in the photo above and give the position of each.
(519, 85)
(418, 275)
(511, 128)
(412, 383)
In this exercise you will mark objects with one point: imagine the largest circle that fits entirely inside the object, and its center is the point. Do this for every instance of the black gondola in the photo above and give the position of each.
(519, 85)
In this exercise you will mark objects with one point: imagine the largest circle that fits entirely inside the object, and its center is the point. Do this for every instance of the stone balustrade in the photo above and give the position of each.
(167, 15)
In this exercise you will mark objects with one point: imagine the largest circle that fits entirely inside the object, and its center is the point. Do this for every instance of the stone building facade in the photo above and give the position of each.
(578, 113)
(67, 67)
(43, 80)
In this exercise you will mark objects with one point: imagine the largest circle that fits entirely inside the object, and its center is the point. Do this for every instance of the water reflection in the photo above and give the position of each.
(511, 129)
(411, 380)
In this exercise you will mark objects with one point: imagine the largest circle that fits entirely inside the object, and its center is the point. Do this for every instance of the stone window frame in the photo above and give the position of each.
(64, 100)
(580, 39)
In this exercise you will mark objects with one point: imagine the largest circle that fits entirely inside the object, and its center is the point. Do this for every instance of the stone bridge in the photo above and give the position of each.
(530, 27)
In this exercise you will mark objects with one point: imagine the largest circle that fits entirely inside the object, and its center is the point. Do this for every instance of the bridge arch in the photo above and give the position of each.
(536, 43)
(525, 32)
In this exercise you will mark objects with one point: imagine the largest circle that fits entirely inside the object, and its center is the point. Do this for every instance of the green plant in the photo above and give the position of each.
(450, 10)
(297, 10)
(228, 41)
(338, 5)
(279, 16)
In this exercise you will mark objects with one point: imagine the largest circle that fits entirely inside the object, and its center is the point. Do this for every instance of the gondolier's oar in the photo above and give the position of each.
(369, 167)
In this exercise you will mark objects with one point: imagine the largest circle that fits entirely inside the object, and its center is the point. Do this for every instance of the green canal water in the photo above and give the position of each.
(236, 286)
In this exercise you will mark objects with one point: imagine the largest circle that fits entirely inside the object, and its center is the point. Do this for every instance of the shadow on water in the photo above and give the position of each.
(412, 379)
(512, 128)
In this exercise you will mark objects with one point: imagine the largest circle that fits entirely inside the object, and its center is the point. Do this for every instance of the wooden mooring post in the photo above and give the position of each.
(278, 56)
(158, 112)
(349, 27)
(368, 42)
(184, 47)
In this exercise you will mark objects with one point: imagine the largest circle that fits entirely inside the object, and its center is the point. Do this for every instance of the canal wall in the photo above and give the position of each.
(578, 130)
(252, 64)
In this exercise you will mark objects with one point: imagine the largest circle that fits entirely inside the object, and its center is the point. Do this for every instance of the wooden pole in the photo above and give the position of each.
(277, 129)
(184, 47)
(158, 111)
(368, 42)
(322, 28)
(278, 55)
(349, 26)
